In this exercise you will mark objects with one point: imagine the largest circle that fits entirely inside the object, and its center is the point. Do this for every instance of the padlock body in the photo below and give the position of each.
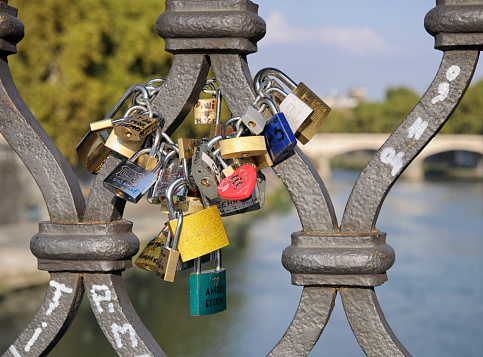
(136, 127)
(167, 264)
(279, 138)
(321, 111)
(187, 147)
(208, 292)
(296, 111)
(157, 194)
(124, 147)
(244, 146)
(202, 233)
(253, 120)
(206, 171)
(253, 203)
(92, 150)
(148, 258)
(129, 181)
(204, 111)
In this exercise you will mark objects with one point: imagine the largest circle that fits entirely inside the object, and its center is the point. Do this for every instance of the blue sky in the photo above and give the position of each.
(334, 45)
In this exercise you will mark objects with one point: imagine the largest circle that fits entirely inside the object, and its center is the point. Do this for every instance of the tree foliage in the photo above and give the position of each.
(384, 117)
(78, 58)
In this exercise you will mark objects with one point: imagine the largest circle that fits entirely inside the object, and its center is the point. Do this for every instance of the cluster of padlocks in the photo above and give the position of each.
(198, 181)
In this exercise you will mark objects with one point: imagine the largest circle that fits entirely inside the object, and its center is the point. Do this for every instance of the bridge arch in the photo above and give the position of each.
(324, 147)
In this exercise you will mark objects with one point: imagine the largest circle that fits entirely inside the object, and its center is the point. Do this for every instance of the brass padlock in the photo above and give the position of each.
(92, 150)
(136, 127)
(148, 258)
(205, 111)
(243, 146)
(124, 147)
(169, 256)
(203, 232)
(186, 147)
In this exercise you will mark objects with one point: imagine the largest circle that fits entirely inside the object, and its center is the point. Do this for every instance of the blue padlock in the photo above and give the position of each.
(208, 289)
(279, 137)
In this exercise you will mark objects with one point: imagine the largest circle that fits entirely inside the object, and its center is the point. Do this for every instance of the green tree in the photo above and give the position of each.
(78, 58)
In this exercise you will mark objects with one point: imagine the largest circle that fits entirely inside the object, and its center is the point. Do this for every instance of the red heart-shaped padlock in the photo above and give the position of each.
(239, 185)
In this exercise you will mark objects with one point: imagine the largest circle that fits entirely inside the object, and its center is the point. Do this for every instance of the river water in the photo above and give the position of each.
(433, 299)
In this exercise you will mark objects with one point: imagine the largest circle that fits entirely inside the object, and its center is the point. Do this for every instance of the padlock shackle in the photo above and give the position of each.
(268, 102)
(169, 196)
(126, 95)
(265, 72)
(156, 142)
(177, 233)
(225, 125)
(218, 259)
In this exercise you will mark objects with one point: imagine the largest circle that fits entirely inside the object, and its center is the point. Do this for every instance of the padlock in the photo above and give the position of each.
(149, 159)
(206, 170)
(165, 177)
(239, 185)
(253, 203)
(208, 289)
(203, 232)
(304, 127)
(135, 128)
(130, 181)
(244, 146)
(124, 147)
(186, 147)
(169, 257)
(104, 124)
(278, 135)
(92, 150)
(204, 111)
(253, 117)
(148, 258)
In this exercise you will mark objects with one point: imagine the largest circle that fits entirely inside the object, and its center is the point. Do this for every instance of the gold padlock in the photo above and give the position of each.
(321, 110)
(92, 150)
(136, 127)
(123, 147)
(243, 146)
(202, 233)
(169, 256)
(186, 147)
(148, 258)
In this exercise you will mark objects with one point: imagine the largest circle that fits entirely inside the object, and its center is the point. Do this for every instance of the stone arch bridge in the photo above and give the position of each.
(324, 147)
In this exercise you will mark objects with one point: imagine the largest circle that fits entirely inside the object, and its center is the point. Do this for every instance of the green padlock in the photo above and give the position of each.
(208, 289)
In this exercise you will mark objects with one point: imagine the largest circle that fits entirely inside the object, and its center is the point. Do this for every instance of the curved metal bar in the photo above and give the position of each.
(369, 324)
(117, 318)
(103, 205)
(49, 168)
(60, 305)
(181, 89)
(313, 313)
(316, 211)
(408, 140)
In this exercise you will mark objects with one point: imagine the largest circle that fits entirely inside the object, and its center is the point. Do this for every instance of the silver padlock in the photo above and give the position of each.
(206, 171)
(130, 181)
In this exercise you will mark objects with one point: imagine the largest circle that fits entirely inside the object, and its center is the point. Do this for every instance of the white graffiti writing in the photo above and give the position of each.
(34, 337)
(389, 156)
(443, 88)
(14, 351)
(417, 129)
(59, 289)
(117, 330)
(98, 298)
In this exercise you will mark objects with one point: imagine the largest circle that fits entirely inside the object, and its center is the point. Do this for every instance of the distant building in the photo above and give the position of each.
(347, 101)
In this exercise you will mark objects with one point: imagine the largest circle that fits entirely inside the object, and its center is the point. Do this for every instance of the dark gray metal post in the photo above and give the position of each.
(86, 246)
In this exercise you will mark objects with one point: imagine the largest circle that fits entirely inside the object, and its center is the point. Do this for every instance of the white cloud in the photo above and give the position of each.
(355, 41)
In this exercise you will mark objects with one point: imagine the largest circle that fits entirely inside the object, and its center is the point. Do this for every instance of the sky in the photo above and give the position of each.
(333, 46)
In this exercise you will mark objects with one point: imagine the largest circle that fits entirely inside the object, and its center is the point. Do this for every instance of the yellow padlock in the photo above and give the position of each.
(202, 232)
(244, 146)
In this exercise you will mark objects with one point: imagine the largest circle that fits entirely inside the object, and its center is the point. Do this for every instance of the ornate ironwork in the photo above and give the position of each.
(86, 245)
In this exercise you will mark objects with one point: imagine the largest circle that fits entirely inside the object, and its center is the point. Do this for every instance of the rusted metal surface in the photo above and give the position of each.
(87, 246)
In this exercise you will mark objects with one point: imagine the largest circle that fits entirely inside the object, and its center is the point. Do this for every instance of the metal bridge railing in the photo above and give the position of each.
(86, 245)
